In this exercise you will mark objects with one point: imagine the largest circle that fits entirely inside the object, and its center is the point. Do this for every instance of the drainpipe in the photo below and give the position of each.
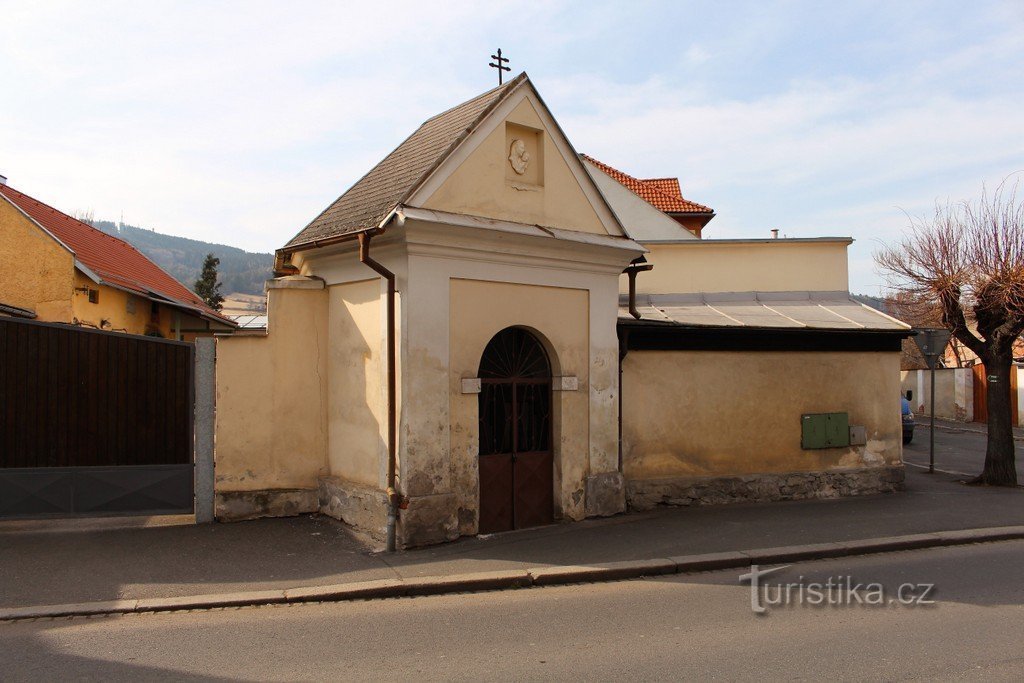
(623, 350)
(394, 500)
(635, 266)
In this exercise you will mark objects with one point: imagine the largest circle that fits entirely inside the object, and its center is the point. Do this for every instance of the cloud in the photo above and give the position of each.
(696, 54)
(241, 121)
(839, 155)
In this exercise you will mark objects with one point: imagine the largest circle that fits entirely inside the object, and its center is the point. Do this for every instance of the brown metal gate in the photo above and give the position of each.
(516, 462)
(981, 394)
(93, 422)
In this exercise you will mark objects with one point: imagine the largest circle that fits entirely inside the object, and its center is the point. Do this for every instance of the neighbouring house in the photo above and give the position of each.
(15, 312)
(663, 194)
(472, 339)
(62, 270)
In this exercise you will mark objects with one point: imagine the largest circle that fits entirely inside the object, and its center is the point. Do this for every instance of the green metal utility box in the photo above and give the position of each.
(824, 430)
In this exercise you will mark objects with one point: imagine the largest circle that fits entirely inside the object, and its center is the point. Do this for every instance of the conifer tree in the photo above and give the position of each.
(207, 286)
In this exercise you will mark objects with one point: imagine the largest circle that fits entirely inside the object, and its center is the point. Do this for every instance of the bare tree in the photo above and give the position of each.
(968, 262)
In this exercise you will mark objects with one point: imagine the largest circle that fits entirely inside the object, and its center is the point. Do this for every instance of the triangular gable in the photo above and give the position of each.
(517, 165)
(413, 172)
(371, 200)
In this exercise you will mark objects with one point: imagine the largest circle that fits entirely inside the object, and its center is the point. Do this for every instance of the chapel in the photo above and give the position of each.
(490, 331)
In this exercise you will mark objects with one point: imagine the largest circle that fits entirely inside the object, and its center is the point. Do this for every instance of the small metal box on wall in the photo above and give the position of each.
(824, 430)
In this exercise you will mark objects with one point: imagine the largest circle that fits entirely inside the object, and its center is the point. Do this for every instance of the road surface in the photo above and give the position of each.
(960, 453)
(682, 627)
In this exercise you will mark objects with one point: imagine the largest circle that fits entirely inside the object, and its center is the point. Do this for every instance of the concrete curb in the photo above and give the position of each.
(523, 578)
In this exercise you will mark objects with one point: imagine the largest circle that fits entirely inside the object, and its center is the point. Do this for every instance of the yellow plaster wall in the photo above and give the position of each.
(771, 266)
(36, 272)
(357, 402)
(479, 310)
(112, 307)
(712, 413)
(271, 394)
(480, 186)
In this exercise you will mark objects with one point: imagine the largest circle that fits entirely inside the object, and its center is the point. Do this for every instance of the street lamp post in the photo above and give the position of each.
(932, 341)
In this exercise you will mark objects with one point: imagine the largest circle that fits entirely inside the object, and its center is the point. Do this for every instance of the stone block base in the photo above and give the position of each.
(358, 505)
(429, 520)
(234, 506)
(606, 494)
(645, 494)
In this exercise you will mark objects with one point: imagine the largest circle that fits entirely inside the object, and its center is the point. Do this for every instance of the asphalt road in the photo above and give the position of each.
(682, 627)
(959, 453)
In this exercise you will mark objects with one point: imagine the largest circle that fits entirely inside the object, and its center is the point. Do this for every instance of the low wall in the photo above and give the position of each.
(720, 413)
(270, 426)
(954, 392)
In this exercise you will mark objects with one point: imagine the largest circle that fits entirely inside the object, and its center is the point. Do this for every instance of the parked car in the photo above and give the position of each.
(908, 418)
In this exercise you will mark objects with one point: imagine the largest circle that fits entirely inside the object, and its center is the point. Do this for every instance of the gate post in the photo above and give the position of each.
(205, 393)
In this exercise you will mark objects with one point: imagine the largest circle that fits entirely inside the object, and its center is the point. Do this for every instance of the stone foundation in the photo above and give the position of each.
(358, 505)
(606, 494)
(428, 520)
(235, 506)
(645, 494)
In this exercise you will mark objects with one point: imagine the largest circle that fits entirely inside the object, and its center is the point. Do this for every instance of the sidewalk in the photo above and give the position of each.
(923, 421)
(65, 567)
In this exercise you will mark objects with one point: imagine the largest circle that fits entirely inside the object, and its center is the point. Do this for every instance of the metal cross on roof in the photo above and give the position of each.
(499, 65)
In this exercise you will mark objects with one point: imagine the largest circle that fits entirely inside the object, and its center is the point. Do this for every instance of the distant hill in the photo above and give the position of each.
(240, 271)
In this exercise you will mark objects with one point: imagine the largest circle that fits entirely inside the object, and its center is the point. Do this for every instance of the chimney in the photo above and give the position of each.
(3, 180)
(775, 233)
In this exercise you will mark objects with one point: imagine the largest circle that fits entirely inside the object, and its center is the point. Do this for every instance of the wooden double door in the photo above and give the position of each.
(516, 461)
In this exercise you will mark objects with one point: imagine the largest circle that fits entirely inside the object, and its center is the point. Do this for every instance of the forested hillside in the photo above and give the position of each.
(239, 270)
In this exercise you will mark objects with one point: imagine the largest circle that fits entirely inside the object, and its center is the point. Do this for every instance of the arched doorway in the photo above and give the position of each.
(516, 463)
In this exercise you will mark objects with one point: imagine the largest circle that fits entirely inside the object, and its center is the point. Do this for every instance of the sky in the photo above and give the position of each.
(238, 122)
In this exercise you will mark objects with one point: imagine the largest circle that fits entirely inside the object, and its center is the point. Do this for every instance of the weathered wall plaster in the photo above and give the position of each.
(271, 395)
(709, 413)
(356, 391)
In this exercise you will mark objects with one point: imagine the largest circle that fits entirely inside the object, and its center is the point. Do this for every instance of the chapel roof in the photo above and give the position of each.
(400, 173)
(112, 260)
(663, 194)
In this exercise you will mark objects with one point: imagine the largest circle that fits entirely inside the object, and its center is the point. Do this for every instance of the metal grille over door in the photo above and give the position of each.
(516, 466)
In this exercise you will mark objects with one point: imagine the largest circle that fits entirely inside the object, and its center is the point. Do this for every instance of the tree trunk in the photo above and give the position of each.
(1000, 464)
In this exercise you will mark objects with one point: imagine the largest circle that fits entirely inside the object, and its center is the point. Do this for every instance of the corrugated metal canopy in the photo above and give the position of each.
(791, 310)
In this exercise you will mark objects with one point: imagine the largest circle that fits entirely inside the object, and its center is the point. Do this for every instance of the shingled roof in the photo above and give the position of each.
(662, 193)
(112, 260)
(399, 174)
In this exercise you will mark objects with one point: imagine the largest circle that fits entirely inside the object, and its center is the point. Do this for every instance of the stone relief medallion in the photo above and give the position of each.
(518, 157)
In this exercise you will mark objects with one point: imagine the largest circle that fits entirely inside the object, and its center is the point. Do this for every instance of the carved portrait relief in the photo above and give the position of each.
(518, 157)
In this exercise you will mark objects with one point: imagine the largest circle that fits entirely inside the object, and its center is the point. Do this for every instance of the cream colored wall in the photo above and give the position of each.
(709, 413)
(36, 272)
(946, 394)
(527, 282)
(730, 266)
(480, 186)
(356, 394)
(271, 396)
(560, 318)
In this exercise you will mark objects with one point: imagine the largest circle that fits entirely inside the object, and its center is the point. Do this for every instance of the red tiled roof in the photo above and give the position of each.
(113, 260)
(662, 193)
(669, 186)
